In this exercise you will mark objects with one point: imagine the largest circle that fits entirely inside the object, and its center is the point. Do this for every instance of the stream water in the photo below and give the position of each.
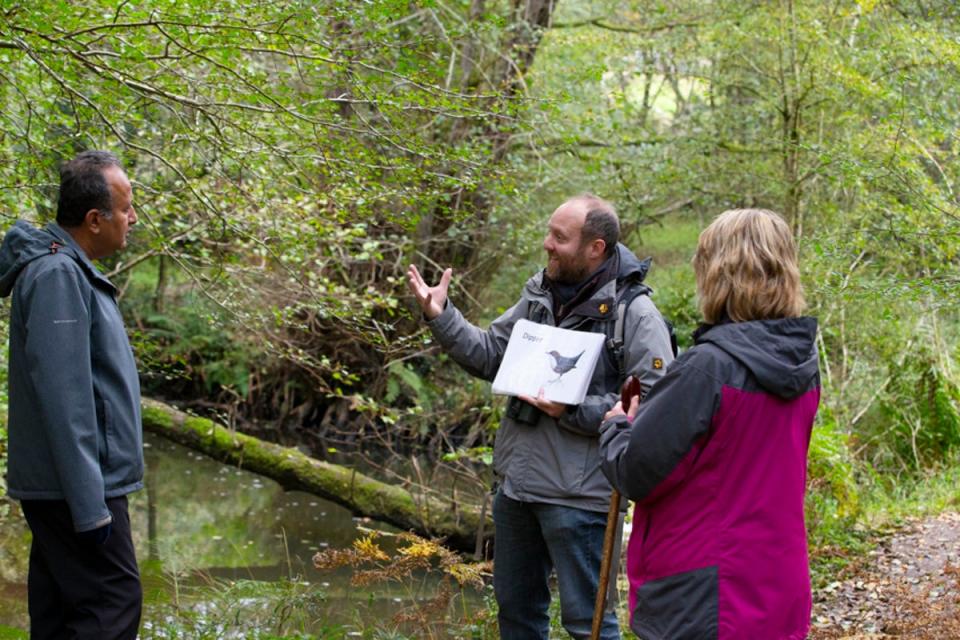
(199, 519)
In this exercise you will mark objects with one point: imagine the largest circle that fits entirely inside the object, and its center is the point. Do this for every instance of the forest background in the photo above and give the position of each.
(291, 159)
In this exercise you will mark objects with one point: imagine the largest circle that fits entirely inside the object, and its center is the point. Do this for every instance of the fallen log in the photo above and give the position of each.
(365, 496)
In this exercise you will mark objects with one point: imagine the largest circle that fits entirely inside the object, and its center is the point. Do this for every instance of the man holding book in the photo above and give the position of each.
(550, 509)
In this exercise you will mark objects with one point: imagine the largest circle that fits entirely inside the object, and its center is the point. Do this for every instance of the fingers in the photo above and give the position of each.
(416, 280)
(616, 411)
(418, 288)
(634, 406)
(549, 407)
(414, 277)
(430, 299)
(445, 279)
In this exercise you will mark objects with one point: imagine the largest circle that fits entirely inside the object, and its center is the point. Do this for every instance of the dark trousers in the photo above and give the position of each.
(531, 540)
(79, 590)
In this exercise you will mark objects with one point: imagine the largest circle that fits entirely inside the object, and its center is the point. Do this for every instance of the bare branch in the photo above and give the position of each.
(602, 23)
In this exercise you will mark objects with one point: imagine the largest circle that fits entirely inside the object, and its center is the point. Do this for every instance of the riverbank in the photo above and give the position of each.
(226, 553)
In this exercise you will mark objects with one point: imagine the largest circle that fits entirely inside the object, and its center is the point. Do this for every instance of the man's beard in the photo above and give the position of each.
(568, 270)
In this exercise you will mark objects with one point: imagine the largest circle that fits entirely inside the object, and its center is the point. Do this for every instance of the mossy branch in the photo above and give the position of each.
(361, 494)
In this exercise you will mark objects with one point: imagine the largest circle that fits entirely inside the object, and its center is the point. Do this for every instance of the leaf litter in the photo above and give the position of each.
(906, 587)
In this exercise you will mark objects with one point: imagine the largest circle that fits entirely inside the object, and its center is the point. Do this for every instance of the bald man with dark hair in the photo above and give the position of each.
(550, 508)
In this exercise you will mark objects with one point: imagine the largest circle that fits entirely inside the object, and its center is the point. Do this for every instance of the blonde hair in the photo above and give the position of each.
(746, 268)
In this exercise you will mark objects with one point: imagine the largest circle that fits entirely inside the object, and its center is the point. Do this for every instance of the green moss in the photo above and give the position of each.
(155, 416)
(291, 468)
(200, 425)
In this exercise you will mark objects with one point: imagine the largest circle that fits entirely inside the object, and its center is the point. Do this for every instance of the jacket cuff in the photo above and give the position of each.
(96, 524)
(442, 319)
(617, 422)
(444, 325)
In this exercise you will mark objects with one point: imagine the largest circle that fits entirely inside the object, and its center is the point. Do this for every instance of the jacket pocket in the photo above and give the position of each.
(563, 459)
(505, 447)
(683, 606)
(103, 429)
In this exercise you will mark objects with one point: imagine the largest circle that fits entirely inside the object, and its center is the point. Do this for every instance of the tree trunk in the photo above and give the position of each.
(457, 524)
(160, 291)
(791, 116)
(528, 22)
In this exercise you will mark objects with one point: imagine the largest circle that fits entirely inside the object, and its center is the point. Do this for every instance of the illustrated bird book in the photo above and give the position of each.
(540, 359)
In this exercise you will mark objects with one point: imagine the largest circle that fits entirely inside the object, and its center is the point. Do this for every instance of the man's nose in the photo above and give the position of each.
(132, 218)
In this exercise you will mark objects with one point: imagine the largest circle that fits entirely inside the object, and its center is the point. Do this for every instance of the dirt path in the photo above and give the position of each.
(908, 587)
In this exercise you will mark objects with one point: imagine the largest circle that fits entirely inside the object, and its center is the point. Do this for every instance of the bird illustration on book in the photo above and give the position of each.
(563, 364)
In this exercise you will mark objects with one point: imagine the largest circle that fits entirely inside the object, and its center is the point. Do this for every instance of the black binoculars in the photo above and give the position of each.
(522, 412)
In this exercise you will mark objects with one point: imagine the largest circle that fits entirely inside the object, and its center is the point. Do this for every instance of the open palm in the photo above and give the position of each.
(431, 299)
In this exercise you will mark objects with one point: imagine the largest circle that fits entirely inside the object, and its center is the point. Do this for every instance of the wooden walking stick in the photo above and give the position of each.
(630, 389)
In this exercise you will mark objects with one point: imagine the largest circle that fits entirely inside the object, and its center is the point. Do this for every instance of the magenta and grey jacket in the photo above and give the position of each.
(716, 462)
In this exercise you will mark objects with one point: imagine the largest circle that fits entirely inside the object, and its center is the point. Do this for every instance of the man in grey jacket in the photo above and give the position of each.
(550, 510)
(75, 439)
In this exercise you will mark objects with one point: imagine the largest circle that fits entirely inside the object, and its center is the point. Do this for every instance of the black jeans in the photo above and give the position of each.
(79, 590)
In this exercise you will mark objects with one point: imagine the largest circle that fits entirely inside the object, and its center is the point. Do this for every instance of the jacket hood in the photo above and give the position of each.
(630, 266)
(781, 354)
(24, 243)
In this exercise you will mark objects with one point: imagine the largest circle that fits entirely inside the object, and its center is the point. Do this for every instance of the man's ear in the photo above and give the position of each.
(598, 247)
(92, 220)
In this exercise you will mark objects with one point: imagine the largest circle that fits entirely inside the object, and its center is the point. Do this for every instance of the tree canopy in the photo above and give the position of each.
(290, 159)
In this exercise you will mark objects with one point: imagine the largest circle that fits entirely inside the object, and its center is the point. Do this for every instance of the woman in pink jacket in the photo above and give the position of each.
(715, 456)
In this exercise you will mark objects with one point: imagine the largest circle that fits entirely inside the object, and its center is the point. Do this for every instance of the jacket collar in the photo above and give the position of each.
(601, 305)
(77, 253)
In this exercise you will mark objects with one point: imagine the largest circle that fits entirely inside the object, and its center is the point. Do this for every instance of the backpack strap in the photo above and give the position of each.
(616, 343)
(536, 312)
(617, 340)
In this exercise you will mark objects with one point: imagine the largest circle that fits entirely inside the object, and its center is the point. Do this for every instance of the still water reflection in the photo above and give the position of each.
(198, 514)
(199, 518)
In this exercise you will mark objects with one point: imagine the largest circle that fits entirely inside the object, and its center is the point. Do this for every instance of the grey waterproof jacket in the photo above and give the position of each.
(74, 417)
(557, 460)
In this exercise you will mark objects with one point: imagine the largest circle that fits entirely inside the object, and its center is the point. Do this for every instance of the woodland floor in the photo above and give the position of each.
(908, 586)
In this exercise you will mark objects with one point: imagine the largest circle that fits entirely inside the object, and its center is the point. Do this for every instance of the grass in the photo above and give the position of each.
(670, 243)
(838, 545)
(893, 500)
(239, 609)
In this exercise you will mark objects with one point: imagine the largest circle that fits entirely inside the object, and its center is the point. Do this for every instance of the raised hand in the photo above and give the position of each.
(431, 299)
